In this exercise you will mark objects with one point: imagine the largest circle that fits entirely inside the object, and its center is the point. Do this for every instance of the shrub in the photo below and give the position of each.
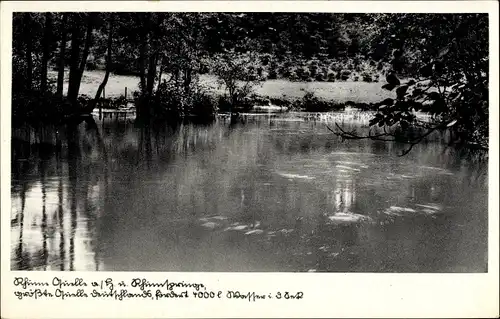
(305, 75)
(313, 70)
(299, 72)
(314, 62)
(287, 72)
(367, 77)
(272, 75)
(283, 102)
(311, 103)
(223, 104)
(320, 77)
(203, 106)
(346, 72)
(331, 77)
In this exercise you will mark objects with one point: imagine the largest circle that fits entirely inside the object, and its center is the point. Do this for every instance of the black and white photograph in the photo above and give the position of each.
(281, 142)
(294, 142)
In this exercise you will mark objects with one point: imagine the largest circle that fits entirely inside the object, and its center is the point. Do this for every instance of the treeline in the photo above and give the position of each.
(445, 54)
(182, 45)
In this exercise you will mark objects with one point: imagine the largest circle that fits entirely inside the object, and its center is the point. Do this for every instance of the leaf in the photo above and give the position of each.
(411, 82)
(388, 86)
(444, 51)
(452, 123)
(387, 102)
(434, 95)
(401, 91)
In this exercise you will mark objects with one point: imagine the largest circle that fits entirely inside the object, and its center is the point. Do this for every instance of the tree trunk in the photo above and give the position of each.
(62, 52)
(161, 72)
(86, 48)
(151, 73)
(78, 65)
(46, 52)
(74, 58)
(29, 60)
(187, 79)
(108, 65)
(142, 64)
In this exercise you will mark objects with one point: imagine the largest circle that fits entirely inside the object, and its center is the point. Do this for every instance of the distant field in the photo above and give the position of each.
(358, 92)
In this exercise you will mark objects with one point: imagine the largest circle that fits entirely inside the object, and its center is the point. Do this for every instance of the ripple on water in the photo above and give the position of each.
(295, 176)
(348, 217)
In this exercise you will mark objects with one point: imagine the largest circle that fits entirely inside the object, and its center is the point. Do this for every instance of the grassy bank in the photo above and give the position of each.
(338, 92)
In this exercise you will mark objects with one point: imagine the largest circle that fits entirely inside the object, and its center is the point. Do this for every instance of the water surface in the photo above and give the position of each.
(275, 193)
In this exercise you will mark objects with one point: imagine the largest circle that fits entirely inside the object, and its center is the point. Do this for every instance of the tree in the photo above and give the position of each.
(77, 64)
(236, 72)
(29, 61)
(62, 55)
(448, 56)
(47, 39)
(109, 63)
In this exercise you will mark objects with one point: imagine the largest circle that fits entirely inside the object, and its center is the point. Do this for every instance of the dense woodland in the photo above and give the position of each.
(443, 59)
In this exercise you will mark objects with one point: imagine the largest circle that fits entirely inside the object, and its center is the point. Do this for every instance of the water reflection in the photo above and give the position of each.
(271, 194)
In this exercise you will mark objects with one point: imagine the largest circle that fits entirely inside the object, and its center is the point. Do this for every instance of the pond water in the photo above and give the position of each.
(275, 193)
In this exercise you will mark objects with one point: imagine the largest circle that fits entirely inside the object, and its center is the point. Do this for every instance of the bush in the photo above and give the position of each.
(203, 106)
(305, 74)
(313, 70)
(367, 77)
(172, 102)
(311, 103)
(320, 77)
(283, 102)
(272, 75)
(345, 72)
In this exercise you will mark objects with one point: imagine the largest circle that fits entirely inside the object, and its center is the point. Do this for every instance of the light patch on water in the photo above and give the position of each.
(237, 228)
(254, 232)
(398, 211)
(211, 218)
(402, 209)
(446, 173)
(432, 207)
(210, 225)
(353, 154)
(349, 168)
(407, 176)
(294, 176)
(361, 165)
(288, 119)
(431, 167)
(349, 218)
(441, 171)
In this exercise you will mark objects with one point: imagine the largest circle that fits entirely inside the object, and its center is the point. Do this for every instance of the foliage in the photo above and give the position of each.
(237, 73)
(311, 103)
(448, 56)
(173, 102)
